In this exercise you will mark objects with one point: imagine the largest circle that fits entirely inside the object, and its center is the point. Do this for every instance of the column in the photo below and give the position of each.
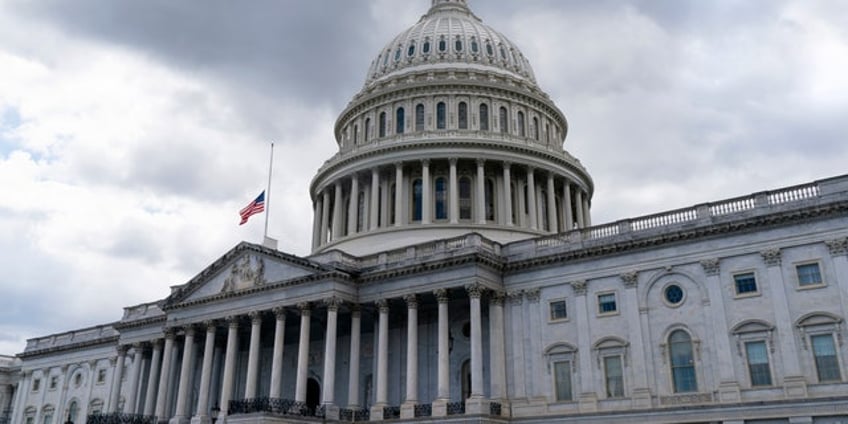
(480, 204)
(167, 356)
(838, 249)
(794, 383)
(153, 379)
(135, 379)
(253, 354)
(497, 352)
(587, 217)
(374, 219)
(454, 192)
(202, 415)
(117, 376)
(277, 361)
(566, 204)
(578, 205)
(426, 193)
(229, 365)
(516, 348)
(325, 215)
(338, 212)
(303, 352)
(531, 198)
(587, 397)
(353, 205)
(408, 407)
(400, 217)
(316, 222)
(329, 389)
(382, 361)
(641, 393)
(507, 193)
(21, 395)
(443, 375)
(476, 403)
(180, 415)
(60, 405)
(728, 384)
(355, 337)
(552, 215)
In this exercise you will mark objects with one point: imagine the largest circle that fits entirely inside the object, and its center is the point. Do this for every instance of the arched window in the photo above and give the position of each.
(392, 203)
(419, 117)
(382, 131)
(73, 411)
(503, 120)
(489, 50)
(543, 209)
(397, 54)
(465, 198)
(355, 135)
(400, 121)
(462, 111)
(416, 200)
(360, 207)
(367, 129)
(47, 414)
(515, 204)
(682, 362)
(490, 200)
(443, 45)
(426, 47)
(521, 129)
(410, 51)
(95, 407)
(536, 128)
(484, 117)
(441, 118)
(457, 45)
(547, 133)
(441, 198)
(474, 47)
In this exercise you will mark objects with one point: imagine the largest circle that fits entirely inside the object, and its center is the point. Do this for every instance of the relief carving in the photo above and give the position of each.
(247, 272)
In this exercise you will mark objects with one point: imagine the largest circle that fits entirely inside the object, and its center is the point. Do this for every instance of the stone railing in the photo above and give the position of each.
(704, 214)
(468, 242)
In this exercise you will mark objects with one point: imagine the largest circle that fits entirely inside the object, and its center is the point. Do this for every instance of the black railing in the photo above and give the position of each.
(354, 415)
(391, 412)
(456, 408)
(6, 416)
(495, 409)
(274, 406)
(119, 418)
(424, 410)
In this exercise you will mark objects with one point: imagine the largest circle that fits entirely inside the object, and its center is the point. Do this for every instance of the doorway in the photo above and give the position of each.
(313, 394)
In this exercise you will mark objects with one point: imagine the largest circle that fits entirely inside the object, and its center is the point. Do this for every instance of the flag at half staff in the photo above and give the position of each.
(253, 208)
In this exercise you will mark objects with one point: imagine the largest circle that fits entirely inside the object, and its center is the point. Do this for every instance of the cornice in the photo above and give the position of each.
(70, 347)
(122, 325)
(480, 257)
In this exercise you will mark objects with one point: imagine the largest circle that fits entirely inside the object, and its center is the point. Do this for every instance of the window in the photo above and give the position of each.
(558, 310)
(101, 376)
(355, 135)
(419, 117)
(462, 111)
(606, 303)
(360, 216)
(809, 274)
(95, 407)
(29, 415)
(562, 380)
(416, 200)
(78, 379)
(382, 132)
(397, 54)
(36, 384)
(682, 362)
(54, 382)
(536, 128)
(503, 120)
(47, 415)
(426, 47)
(758, 363)
(73, 411)
(399, 121)
(367, 129)
(746, 283)
(457, 44)
(441, 198)
(484, 117)
(490, 199)
(543, 209)
(386, 57)
(465, 198)
(673, 294)
(614, 376)
(489, 50)
(441, 118)
(824, 351)
(410, 51)
(521, 130)
(443, 45)
(392, 203)
(475, 48)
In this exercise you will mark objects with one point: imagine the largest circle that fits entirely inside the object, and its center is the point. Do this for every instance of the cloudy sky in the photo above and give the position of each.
(131, 132)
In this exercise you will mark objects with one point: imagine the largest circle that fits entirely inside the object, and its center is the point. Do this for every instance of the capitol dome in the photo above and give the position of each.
(450, 134)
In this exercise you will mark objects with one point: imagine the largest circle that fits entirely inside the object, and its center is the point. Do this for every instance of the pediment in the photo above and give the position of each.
(245, 267)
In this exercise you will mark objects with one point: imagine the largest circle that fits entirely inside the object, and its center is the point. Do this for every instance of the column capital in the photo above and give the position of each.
(233, 321)
(157, 344)
(355, 310)
(772, 257)
(497, 298)
(838, 247)
(475, 290)
(425, 162)
(170, 332)
(398, 165)
(411, 301)
(533, 295)
(382, 305)
(305, 308)
(442, 295)
(255, 317)
(122, 350)
(711, 266)
(279, 312)
(579, 287)
(481, 161)
(452, 161)
(211, 325)
(531, 169)
(332, 303)
(516, 297)
(506, 164)
(189, 330)
(630, 279)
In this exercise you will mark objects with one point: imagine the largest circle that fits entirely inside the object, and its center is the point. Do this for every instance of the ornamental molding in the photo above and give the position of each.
(580, 287)
(516, 297)
(630, 279)
(533, 295)
(442, 295)
(711, 266)
(475, 290)
(497, 298)
(247, 272)
(772, 257)
(382, 305)
(332, 303)
(837, 247)
(411, 301)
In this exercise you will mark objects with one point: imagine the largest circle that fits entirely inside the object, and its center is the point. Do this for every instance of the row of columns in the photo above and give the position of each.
(338, 203)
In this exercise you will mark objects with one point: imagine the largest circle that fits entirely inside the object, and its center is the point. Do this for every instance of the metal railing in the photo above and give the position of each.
(274, 406)
(456, 408)
(424, 410)
(495, 409)
(391, 413)
(354, 415)
(119, 418)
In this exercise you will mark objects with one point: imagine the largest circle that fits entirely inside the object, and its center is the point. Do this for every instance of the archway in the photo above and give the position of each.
(466, 379)
(313, 394)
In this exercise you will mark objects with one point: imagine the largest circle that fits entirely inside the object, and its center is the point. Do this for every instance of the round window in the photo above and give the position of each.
(673, 294)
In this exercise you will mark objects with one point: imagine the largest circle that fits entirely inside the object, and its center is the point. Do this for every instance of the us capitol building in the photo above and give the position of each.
(456, 276)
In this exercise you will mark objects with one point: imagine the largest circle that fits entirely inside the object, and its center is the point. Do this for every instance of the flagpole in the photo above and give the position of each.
(268, 192)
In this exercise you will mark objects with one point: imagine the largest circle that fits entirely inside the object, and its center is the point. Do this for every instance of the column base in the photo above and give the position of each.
(331, 412)
(377, 412)
(642, 398)
(588, 402)
(201, 419)
(729, 392)
(477, 406)
(180, 420)
(440, 408)
(795, 386)
(407, 410)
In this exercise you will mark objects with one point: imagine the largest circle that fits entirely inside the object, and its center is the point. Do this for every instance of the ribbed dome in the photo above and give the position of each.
(449, 35)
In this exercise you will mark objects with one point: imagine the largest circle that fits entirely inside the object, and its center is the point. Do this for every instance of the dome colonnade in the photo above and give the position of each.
(450, 134)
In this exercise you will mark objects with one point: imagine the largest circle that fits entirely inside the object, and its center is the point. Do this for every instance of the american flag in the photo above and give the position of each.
(255, 207)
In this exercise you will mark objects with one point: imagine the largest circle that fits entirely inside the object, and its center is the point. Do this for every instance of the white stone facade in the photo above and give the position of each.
(430, 299)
